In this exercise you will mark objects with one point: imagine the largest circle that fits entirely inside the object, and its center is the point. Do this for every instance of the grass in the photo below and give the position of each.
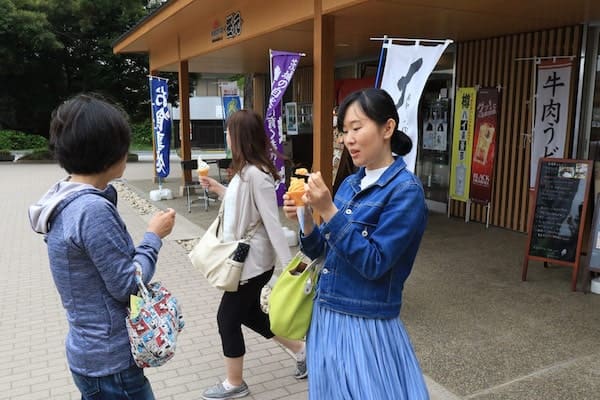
(144, 147)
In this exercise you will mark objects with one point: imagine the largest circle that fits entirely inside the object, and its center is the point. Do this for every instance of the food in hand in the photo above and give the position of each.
(301, 171)
(203, 168)
(296, 190)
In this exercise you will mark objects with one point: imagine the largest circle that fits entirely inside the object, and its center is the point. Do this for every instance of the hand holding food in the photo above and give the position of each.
(318, 196)
(296, 189)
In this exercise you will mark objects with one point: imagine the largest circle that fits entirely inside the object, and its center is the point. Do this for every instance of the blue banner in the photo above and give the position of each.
(161, 118)
(231, 104)
(283, 66)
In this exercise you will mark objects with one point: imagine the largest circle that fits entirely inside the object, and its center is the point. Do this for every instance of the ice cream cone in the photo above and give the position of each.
(203, 171)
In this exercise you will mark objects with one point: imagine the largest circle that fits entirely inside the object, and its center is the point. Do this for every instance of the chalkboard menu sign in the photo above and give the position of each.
(560, 203)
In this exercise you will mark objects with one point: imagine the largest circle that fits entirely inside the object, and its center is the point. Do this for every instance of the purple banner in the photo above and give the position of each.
(283, 66)
(161, 124)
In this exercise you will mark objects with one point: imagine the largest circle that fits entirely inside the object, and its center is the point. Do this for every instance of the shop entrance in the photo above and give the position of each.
(435, 133)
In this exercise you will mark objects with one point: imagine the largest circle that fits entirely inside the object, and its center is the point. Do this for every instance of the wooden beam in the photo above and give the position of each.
(154, 175)
(258, 86)
(323, 100)
(184, 120)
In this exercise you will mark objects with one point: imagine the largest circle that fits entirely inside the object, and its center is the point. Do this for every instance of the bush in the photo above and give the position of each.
(6, 155)
(38, 155)
(141, 134)
(15, 140)
(132, 157)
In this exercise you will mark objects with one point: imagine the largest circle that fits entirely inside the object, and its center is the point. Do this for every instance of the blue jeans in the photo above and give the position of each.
(129, 384)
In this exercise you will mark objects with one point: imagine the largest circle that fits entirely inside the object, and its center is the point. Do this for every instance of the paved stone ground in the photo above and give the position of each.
(478, 331)
(33, 324)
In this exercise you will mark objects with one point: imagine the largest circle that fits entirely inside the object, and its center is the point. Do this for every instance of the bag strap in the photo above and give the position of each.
(140, 281)
(317, 263)
(249, 232)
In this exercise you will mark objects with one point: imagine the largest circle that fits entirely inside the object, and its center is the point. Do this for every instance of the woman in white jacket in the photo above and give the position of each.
(249, 198)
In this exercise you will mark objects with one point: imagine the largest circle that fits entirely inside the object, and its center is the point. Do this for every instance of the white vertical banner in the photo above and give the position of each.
(405, 73)
(551, 112)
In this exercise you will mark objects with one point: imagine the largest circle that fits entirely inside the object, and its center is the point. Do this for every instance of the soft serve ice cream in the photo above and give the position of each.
(203, 167)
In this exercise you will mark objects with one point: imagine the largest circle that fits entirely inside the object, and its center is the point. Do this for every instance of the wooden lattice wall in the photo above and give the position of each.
(492, 62)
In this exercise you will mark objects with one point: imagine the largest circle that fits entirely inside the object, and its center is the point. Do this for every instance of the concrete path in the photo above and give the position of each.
(33, 324)
(479, 332)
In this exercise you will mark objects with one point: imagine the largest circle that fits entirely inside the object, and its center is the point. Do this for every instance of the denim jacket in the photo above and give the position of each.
(371, 243)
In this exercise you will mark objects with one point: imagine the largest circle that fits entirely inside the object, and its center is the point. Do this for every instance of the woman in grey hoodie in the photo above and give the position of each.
(90, 251)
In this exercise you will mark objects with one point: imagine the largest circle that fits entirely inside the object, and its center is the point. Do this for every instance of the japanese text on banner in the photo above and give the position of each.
(404, 76)
(161, 125)
(462, 144)
(551, 112)
(283, 65)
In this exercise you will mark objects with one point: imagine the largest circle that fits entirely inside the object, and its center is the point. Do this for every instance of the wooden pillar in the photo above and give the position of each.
(184, 119)
(323, 97)
(258, 87)
(153, 72)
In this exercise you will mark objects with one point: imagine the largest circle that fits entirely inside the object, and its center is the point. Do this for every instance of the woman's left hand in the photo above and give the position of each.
(318, 196)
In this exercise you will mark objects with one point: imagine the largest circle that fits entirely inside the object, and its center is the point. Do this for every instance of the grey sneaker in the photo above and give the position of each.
(219, 392)
(301, 371)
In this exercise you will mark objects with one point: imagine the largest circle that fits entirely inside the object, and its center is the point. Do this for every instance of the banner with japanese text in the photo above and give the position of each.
(551, 112)
(161, 124)
(405, 73)
(484, 145)
(283, 66)
(462, 143)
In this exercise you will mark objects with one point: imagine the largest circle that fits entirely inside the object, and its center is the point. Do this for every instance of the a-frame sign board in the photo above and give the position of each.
(558, 218)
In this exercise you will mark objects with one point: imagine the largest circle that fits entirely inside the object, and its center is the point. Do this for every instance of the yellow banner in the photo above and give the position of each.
(462, 143)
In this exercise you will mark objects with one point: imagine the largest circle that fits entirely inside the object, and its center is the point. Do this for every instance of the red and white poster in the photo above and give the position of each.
(484, 145)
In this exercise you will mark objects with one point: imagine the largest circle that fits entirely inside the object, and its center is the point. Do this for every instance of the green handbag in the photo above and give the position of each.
(291, 299)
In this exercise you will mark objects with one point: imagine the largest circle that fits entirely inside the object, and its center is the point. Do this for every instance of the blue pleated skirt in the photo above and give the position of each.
(350, 357)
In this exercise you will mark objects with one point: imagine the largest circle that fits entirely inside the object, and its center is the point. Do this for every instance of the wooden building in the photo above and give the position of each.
(204, 36)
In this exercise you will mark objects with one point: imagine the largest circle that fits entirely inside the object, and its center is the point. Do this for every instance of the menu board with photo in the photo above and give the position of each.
(560, 203)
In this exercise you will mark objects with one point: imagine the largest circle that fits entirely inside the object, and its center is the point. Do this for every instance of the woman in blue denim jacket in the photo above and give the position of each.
(357, 347)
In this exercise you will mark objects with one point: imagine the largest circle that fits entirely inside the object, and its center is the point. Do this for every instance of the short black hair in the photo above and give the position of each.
(88, 134)
(378, 106)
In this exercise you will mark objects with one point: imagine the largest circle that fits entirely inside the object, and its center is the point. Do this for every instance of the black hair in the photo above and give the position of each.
(378, 106)
(88, 135)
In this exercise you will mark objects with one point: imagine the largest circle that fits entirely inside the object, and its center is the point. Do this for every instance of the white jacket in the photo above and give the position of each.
(256, 201)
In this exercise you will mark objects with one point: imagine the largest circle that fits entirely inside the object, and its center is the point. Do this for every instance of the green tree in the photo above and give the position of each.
(53, 49)
(27, 39)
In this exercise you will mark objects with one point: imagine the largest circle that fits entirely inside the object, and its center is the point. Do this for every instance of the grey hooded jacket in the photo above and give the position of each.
(91, 258)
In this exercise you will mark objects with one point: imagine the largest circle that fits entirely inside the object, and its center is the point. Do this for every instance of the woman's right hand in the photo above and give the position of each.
(162, 222)
(208, 183)
(212, 185)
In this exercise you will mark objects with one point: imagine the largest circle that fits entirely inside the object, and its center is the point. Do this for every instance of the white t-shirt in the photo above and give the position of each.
(371, 176)
(229, 213)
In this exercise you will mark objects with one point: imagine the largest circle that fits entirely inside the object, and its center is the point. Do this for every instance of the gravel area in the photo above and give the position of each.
(145, 207)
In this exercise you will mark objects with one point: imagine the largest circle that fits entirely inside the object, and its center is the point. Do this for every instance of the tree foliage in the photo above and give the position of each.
(53, 49)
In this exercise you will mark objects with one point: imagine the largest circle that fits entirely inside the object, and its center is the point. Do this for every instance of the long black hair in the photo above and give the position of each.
(378, 106)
